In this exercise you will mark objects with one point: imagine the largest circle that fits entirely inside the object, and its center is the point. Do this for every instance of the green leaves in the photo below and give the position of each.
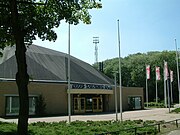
(38, 18)
(83, 128)
(134, 73)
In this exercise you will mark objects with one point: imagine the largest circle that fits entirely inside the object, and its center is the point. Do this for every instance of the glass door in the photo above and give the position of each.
(79, 105)
(97, 104)
(89, 104)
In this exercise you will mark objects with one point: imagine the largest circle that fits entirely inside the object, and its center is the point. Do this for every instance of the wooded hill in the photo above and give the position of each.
(133, 68)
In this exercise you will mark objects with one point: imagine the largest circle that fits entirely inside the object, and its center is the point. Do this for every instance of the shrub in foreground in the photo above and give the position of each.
(177, 110)
(81, 128)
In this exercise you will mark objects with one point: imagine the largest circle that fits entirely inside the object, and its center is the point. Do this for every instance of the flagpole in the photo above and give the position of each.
(146, 93)
(168, 93)
(146, 87)
(120, 86)
(69, 76)
(165, 100)
(177, 63)
(171, 94)
(156, 92)
(171, 80)
(157, 78)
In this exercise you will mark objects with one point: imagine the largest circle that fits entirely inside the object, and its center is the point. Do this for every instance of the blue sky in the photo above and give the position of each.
(145, 25)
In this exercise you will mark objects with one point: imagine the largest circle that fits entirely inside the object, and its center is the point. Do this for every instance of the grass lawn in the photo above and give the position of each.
(81, 128)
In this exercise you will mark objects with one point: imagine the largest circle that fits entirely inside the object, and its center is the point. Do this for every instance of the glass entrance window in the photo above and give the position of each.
(88, 104)
(75, 103)
(100, 103)
(79, 104)
(97, 104)
(82, 104)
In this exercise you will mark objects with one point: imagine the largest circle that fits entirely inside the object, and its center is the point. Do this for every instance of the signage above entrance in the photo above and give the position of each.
(90, 86)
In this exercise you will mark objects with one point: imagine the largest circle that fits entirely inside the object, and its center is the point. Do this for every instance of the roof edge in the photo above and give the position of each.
(50, 81)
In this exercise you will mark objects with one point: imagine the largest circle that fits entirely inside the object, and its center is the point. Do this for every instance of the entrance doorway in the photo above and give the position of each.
(87, 103)
(79, 105)
(97, 104)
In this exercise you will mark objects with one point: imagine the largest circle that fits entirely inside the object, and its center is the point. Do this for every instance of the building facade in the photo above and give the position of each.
(91, 91)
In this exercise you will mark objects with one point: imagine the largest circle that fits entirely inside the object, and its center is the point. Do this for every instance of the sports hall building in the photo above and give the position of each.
(91, 91)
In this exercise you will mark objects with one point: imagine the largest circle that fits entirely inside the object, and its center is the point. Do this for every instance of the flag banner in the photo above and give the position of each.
(171, 75)
(166, 74)
(147, 71)
(158, 77)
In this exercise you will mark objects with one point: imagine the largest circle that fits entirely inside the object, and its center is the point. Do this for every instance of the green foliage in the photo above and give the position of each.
(154, 104)
(81, 127)
(133, 71)
(38, 18)
(7, 128)
(177, 110)
(22, 20)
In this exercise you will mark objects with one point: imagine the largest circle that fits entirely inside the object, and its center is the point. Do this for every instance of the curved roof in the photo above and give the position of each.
(49, 65)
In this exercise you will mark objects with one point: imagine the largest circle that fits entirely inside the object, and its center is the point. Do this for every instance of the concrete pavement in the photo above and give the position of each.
(157, 114)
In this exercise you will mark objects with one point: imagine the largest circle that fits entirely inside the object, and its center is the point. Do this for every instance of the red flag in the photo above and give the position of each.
(171, 75)
(147, 71)
(166, 74)
(158, 77)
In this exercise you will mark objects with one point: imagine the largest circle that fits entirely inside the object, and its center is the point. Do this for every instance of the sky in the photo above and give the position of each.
(145, 25)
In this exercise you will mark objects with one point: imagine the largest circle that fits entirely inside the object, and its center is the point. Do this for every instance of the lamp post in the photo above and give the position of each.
(115, 95)
(120, 87)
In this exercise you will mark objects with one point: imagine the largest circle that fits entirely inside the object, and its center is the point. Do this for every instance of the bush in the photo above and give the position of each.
(154, 104)
(81, 128)
(177, 110)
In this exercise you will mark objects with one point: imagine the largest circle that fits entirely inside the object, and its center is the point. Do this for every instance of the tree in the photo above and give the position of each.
(134, 72)
(22, 20)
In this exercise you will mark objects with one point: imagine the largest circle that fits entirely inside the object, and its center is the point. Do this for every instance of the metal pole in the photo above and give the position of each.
(177, 63)
(120, 87)
(156, 92)
(171, 94)
(115, 94)
(146, 92)
(168, 94)
(69, 77)
(165, 100)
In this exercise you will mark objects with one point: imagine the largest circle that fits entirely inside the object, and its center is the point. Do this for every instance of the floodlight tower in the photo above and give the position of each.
(96, 41)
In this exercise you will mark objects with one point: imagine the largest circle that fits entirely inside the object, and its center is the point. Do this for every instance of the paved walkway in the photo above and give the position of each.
(151, 114)
(175, 132)
(158, 114)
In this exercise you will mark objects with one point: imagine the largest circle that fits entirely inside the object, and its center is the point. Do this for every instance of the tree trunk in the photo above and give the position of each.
(22, 77)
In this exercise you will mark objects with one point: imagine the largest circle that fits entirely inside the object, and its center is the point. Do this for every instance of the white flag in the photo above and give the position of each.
(147, 72)
(166, 74)
(171, 75)
(158, 77)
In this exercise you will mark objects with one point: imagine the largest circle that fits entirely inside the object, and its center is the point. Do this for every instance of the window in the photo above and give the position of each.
(135, 102)
(12, 105)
